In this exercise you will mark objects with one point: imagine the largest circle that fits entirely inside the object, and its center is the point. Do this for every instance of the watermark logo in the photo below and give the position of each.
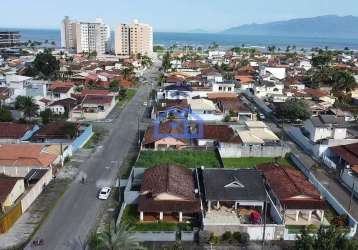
(174, 123)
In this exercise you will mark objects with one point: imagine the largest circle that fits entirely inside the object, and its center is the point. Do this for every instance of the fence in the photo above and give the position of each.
(326, 194)
(80, 141)
(227, 150)
(10, 218)
(187, 235)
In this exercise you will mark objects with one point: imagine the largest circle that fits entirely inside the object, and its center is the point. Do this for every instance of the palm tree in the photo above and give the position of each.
(127, 73)
(27, 105)
(116, 237)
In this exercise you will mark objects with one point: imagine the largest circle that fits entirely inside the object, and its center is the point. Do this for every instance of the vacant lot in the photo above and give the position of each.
(190, 159)
(250, 162)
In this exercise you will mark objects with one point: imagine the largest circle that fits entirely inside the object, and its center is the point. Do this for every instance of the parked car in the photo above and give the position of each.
(104, 193)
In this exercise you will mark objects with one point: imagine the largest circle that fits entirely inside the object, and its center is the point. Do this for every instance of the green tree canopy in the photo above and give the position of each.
(293, 109)
(5, 115)
(327, 238)
(27, 105)
(46, 64)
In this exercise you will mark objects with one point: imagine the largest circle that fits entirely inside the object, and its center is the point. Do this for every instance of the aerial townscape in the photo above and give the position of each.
(119, 137)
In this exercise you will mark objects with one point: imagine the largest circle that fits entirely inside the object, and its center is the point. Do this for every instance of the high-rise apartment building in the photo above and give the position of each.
(85, 36)
(9, 38)
(134, 38)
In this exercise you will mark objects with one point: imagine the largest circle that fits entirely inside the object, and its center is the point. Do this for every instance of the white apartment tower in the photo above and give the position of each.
(134, 38)
(85, 36)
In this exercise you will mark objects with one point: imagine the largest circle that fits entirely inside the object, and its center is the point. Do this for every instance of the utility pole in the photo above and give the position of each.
(352, 195)
(264, 229)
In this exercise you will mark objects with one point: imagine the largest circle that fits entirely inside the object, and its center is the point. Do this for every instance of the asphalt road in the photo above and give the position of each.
(76, 213)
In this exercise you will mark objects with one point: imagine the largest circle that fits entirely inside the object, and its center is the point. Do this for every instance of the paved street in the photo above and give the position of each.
(76, 213)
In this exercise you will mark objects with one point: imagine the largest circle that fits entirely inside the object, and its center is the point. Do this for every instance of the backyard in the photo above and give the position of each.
(250, 162)
(190, 159)
(130, 218)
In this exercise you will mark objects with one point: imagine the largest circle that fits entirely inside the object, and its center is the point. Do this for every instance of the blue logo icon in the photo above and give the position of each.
(174, 123)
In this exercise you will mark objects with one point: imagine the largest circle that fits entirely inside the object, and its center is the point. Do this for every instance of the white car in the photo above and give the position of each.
(104, 193)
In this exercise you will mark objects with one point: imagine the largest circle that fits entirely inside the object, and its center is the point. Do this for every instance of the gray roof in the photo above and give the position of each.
(328, 121)
(234, 185)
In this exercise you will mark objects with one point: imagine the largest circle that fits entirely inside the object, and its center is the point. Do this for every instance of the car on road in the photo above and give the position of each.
(104, 193)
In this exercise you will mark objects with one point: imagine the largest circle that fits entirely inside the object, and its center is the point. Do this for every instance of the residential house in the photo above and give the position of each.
(168, 193)
(224, 86)
(167, 108)
(268, 89)
(5, 95)
(63, 106)
(57, 132)
(17, 84)
(93, 107)
(61, 90)
(204, 110)
(268, 73)
(235, 108)
(233, 197)
(326, 127)
(294, 196)
(11, 188)
(168, 135)
(16, 132)
(17, 160)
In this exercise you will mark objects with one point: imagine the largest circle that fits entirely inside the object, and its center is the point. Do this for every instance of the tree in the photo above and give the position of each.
(321, 60)
(327, 238)
(46, 116)
(116, 237)
(5, 115)
(114, 85)
(46, 64)
(293, 109)
(27, 105)
(166, 62)
(127, 73)
(343, 81)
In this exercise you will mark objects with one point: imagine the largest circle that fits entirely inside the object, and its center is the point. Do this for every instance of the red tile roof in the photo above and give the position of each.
(6, 185)
(292, 188)
(221, 133)
(173, 180)
(95, 92)
(315, 92)
(10, 130)
(347, 152)
(24, 155)
(97, 99)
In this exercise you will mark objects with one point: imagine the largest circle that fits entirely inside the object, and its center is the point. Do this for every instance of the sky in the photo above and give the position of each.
(167, 15)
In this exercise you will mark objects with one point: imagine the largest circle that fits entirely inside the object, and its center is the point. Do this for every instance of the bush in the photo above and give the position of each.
(245, 238)
(226, 236)
(214, 239)
(237, 236)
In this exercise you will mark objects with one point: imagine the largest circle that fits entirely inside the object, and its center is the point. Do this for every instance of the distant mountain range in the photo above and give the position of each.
(321, 26)
(197, 31)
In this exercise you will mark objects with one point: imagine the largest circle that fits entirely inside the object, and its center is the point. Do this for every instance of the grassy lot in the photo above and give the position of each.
(296, 229)
(127, 97)
(131, 218)
(190, 159)
(250, 162)
(96, 137)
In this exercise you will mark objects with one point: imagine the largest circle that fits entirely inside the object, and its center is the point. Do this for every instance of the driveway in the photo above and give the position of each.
(76, 214)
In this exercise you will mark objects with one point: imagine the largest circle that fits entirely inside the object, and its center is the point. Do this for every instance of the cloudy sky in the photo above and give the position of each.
(167, 15)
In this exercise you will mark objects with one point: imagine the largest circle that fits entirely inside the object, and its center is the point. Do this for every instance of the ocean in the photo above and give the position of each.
(204, 40)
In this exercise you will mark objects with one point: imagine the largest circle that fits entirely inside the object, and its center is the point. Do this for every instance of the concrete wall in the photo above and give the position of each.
(187, 236)
(237, 151)
(131, 197)
(35, 191)
(154, 236)
(272, 232)
(296, 134)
